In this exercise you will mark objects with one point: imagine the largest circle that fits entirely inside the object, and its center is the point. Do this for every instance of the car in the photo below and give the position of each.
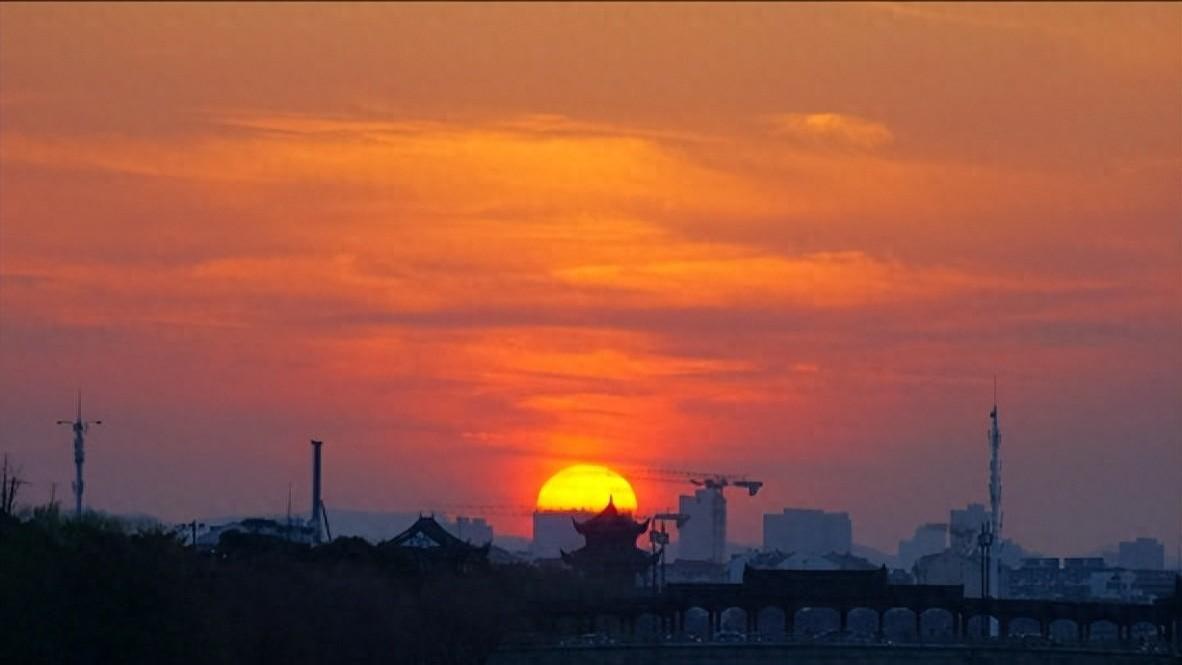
(729, 636)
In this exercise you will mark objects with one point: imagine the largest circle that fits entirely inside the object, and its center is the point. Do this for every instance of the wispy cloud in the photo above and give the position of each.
(830, 129)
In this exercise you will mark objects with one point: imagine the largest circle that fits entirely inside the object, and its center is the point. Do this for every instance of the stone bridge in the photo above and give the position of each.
(779, 596)
(805, 654)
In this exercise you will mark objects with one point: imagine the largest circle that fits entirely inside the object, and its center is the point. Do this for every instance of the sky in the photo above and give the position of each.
(467, 245)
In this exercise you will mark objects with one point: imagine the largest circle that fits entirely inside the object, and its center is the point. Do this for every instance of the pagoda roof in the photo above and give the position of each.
(611, 519)
(426, 533)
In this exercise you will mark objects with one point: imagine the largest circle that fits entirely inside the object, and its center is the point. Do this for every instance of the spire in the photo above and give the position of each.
(995, 465)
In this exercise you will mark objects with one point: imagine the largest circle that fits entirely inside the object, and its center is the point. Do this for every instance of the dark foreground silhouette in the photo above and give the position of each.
(89, 591)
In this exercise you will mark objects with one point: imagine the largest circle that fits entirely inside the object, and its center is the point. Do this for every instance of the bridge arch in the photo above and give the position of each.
(648, 627)
(733, 619)
(977, 627)
(900, 624)
(1103, 631)
(863, 621)
(1145, 632)
(1064, 631)
(1023, 626)
(937, 624)
(770, 623)
(815, 621)
(696, 623)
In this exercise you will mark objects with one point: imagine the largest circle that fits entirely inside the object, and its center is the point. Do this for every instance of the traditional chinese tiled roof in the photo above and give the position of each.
(610, 521)
(428, 534)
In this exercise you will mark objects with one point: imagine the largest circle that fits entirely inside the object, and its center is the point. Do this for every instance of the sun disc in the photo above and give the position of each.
(586, 487)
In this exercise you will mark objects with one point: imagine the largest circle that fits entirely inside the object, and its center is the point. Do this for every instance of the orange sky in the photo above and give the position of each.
(467, 244)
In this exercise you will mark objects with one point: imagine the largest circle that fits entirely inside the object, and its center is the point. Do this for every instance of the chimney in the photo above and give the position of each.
(316, 503)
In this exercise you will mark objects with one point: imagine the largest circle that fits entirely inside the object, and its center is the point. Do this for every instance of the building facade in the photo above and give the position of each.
(475, 530)
(930, 538)
(1142, 554)
(964, 525)
(807, 531)
(430, 546)
(609, 554)
(703, 536)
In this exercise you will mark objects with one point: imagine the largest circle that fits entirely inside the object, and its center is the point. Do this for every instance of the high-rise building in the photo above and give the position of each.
(474, 530)
(811, 531)
(964, 526)
(928, 539)
(1142, 554)
(554, 533)
(703, 536)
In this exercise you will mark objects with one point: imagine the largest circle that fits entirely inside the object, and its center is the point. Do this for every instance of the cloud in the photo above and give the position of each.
(831, 129)
(719, 276)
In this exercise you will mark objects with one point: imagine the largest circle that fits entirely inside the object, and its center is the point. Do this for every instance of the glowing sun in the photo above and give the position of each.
(586, 487)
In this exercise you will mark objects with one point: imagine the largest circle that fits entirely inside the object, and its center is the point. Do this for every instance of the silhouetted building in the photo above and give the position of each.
(1085, 578)
(1113, 585)
(1142, 554)
(257, 526)
(950, 567)
(703, 536)
(610, 552)
(474, 530)
(686, 571)
(554, 532)
(930, 538)
(807, 531)
(432, 546)
(777, 560)
(1155, 584)
(964, 526)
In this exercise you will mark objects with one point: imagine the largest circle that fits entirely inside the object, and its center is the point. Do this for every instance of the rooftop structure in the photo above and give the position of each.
(807, 531)
(610, 552)
(703, 536)
(431, 546)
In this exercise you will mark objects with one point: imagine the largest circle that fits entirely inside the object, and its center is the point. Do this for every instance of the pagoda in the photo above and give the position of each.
(431, 547)
(610, 553)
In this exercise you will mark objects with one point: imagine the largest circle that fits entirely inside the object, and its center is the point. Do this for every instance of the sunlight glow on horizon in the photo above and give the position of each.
(793, 237)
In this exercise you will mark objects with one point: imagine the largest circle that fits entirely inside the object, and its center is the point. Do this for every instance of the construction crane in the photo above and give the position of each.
(659, 540)
(719, 482)
(709, 480)
(80, 428)
(706, 540)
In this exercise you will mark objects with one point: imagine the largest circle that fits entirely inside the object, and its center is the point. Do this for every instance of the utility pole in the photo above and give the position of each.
(317, 504)
(80, 427)
(193, 529)
(995, 514)
(985, 543)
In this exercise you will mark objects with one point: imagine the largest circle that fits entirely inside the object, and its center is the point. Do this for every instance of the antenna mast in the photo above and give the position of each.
(993, 567)
(80, 427)
(995, 466)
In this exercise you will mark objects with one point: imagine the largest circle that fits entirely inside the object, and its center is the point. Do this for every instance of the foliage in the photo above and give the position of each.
(10, 484)
(94, 591)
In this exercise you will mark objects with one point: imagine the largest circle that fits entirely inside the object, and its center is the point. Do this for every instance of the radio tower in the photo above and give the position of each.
(994, 478)
(80, 426)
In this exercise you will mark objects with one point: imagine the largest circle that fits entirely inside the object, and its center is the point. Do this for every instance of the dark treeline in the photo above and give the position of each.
(90, 591)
